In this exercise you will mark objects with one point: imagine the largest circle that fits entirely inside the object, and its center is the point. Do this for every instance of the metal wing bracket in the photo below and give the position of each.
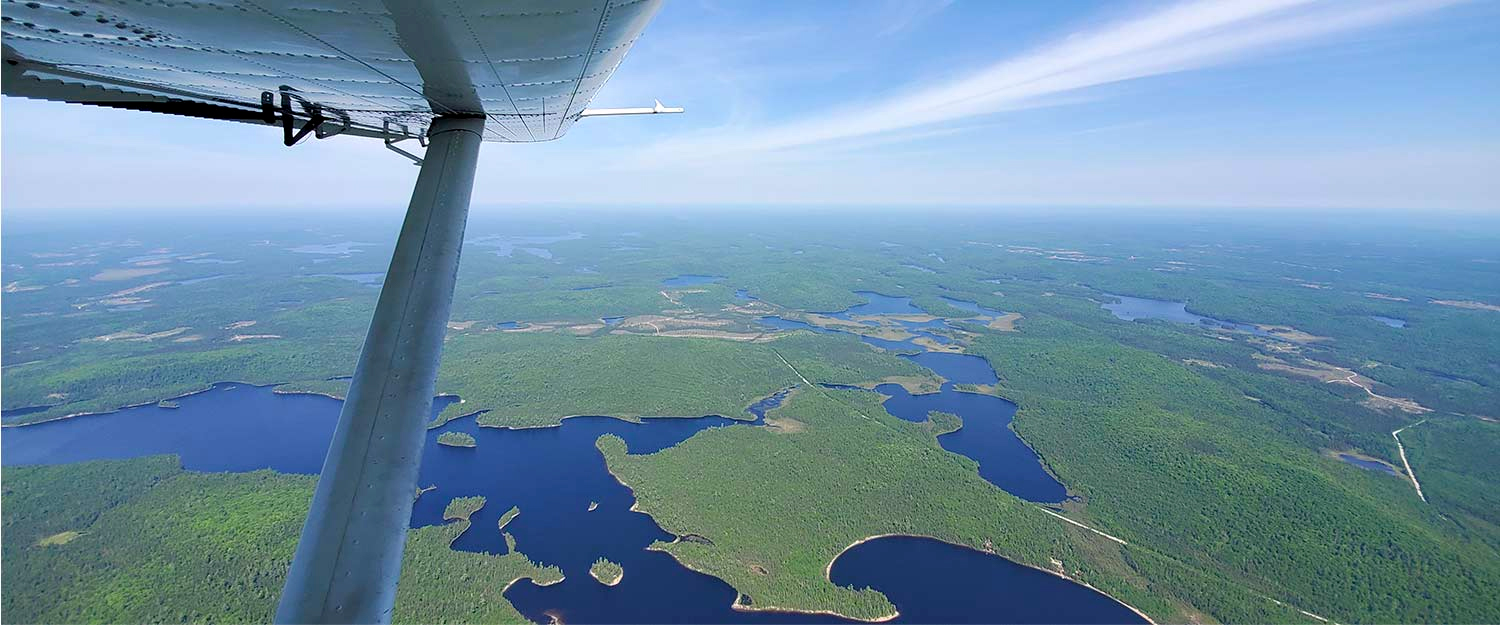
(316, 120)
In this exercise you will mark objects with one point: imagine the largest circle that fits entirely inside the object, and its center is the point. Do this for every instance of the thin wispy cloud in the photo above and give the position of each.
(1183, 37)
(895, 16)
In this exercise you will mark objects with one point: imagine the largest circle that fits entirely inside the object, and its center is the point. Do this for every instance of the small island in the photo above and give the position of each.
(457, 439)
(461, 508)
(608, 573)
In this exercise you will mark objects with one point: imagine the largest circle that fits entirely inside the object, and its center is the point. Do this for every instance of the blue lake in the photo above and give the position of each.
(202, 279)
(506, 245)
(1133, 308)
(779, 323)
(1004, 459)
(1368, 465)
(375, 278)
(972, 307)
(552, 474)
(690, 279)
(1390, 321)
(877, 304)
(342, 248)
(233, 427)
(942, 583)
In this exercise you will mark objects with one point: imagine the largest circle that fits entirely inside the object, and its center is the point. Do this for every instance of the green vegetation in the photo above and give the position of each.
(457, 439)
(852, 473)
(149, 542)
(1176, 436)
(440, 585)
(608, 573)
(509, 516)
(1455, 459)
(147, 529)
(1151, 445)
(461, 508)
(630, 376)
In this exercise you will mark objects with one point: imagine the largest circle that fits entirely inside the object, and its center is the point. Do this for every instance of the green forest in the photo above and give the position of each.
(1211, 450)
(159, 544)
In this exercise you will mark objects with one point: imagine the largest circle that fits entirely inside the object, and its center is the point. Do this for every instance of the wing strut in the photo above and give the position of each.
(349, 557)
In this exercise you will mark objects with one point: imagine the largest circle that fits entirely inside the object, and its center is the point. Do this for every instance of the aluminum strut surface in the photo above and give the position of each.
(349, 557)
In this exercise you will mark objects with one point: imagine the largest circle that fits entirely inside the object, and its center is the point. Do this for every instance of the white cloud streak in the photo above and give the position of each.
(1186, 36)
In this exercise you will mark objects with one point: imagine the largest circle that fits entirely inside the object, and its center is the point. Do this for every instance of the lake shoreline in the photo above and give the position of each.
(828, 571)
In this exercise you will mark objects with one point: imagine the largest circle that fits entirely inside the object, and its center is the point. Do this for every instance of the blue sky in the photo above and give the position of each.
(1340, 104)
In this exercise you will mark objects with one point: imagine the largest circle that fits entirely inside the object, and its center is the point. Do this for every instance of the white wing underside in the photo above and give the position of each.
(530, 67)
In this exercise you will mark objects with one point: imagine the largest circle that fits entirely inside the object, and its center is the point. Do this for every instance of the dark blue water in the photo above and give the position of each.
(877, 304)
(20, 412)
(1368, 465)
(1133, 308)
(507, 244)
(690, 279)
(972, 307)
(1004, 459)
(941, 583)
(788, 324)
(368, 279)
(743, 294)
(233, 427)
(1390, 321)
(342, 248)
(553, 474)
(203, 279)
(609, 321)
(508, 325)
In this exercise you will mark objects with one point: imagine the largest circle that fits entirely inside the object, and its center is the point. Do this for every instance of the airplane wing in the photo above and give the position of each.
(530, 67)
(451, 73)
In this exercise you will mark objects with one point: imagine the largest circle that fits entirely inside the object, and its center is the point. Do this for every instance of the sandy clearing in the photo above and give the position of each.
(1466, 304)
(1005, 322)
(1292, 334)
(248, 337)
(932, 345)
(60, 538)
(786, 426)
(138, 289)
(1330, 374)
(15, 287)
(115, 275)
(137, 337)
(916, 385)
